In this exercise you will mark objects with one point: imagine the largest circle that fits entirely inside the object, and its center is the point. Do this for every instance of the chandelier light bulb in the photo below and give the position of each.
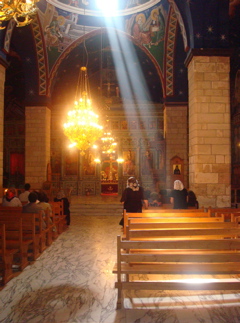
(82, 126)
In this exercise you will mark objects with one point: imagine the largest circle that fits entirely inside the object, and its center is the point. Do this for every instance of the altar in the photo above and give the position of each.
(109, 187)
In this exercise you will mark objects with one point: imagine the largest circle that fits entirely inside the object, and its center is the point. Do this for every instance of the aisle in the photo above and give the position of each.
(72, 282)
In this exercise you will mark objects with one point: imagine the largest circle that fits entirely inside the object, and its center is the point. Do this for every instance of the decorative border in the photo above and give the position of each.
(170, 50)
(41, 59)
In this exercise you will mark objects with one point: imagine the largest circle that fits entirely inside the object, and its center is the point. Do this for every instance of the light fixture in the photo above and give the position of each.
(82, 126)
(19, 10)
(108, 143)
(120, 160)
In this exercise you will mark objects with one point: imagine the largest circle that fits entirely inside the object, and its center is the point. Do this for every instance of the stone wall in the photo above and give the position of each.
(176, 136)
(37, 145)
(209, 130)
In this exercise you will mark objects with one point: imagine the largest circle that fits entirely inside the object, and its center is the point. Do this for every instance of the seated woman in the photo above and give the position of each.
(43, 202)
(192, 200)
(179, 196)
(155, 199)
(10, 199)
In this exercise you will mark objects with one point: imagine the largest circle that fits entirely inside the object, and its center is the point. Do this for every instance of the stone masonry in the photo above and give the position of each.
(209, 130)
(37, 145)
(175, 133)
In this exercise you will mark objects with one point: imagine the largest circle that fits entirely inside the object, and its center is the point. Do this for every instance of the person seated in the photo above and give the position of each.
(62, 197)
(33, 207)
(43, 202)
(10, 199)
(23, 197)
(192, 200)
(155, 199)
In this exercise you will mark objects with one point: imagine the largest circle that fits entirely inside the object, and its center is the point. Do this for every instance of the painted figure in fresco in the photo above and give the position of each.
(176, 170)
(71, 163)
(56, 163)
(53, 34)
(89, 166)
(139, 32)
(129, 164)
(147, 165)
(157, 26)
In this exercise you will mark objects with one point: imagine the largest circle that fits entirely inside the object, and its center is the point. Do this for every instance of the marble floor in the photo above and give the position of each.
(72, 281)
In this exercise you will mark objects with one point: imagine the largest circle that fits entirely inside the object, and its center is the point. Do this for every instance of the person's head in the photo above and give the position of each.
(42, 196)
(178, 185)
(32, 197)
(11, 192)
(132, 182)
(60, 194)
(27, 187)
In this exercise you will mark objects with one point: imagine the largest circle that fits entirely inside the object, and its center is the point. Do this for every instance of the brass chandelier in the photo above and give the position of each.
(19, 10)
(108, 143)
(82, 126)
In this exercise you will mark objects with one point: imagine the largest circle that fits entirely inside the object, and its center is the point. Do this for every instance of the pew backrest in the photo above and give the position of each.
(225, 231)
(182, 214)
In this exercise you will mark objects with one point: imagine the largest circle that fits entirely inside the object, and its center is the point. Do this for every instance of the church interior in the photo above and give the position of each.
(163, 77)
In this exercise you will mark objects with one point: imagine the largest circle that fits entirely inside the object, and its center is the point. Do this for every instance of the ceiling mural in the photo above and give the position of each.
(90, 7)
(62, 28)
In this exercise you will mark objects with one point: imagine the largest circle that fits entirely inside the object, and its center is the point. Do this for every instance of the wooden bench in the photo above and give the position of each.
(178, 213)
(220, 230)
(160, 223)
(29, 235)
(206, 256)
(6, 257)
(45, 234)
(225, 210)
(170, 209)
(59, 218)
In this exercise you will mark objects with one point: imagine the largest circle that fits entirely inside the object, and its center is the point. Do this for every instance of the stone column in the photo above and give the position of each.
(2, 80)
(209, 127)
(37, 145)
(176, 137)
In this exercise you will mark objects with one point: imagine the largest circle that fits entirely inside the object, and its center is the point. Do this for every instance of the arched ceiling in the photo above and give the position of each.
(161, 63)
(104, 71)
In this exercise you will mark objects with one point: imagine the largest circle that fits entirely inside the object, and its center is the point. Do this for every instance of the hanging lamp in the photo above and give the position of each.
(82, 127)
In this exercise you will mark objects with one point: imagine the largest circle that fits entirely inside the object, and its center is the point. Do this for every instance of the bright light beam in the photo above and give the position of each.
(108, 7)
(130, 77)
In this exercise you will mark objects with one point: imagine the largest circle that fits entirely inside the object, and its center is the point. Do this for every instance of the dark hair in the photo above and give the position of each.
(42, 196)
(32, 197)
(27, 187)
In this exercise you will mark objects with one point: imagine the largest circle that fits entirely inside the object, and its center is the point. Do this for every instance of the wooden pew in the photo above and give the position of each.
(160, 223)
(177, 257)
(32, 228)
(220, 230)
(178, 213)
(44, 235)
(59, 218)
(163, 209)
(6, 257)
(226, 211)
(15, 240)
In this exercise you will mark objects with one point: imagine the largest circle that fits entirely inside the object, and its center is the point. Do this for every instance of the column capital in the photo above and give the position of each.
(221, 52)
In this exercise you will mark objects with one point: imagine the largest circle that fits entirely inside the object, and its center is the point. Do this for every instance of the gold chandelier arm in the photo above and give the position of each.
(15, 9)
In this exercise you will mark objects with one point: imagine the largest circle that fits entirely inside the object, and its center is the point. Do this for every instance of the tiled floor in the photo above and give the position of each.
(72, 281)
